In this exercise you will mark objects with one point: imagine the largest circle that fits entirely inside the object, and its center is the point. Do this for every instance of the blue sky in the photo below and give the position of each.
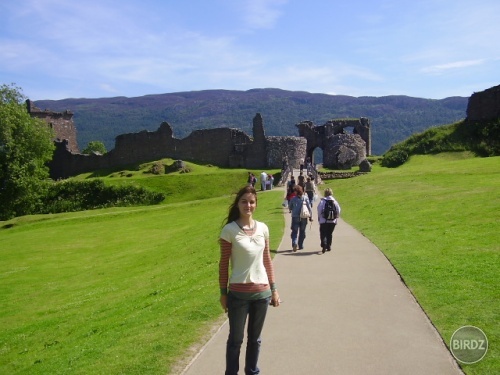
(56, 49)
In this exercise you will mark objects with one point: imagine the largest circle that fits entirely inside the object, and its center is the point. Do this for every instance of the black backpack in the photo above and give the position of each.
(330, 210)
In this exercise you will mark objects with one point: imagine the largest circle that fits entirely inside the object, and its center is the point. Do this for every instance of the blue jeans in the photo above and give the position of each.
(237, 311)
(298, 227)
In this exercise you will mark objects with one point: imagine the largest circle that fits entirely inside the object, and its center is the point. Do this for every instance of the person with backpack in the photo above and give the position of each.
(328, 213)
(301, 211)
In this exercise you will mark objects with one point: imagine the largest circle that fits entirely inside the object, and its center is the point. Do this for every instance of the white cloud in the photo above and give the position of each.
(441, 68)
(95, 47)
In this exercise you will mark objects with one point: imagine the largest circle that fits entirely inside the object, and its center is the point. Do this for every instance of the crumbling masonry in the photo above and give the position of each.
(341, 150)
(60, 122)
(224, 147)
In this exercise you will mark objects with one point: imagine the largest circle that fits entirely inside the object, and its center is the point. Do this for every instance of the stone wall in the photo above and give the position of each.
(484, 105)
(340, 175)
(360, 126)
(294, 148)
(343, 151)
(60, 122)
(224, 147)
(255, 152)
(208, 146)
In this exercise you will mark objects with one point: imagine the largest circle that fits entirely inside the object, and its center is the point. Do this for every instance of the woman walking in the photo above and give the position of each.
(299, 204)
(244, 242)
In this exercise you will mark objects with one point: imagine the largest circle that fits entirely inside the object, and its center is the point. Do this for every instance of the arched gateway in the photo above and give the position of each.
(341, 150)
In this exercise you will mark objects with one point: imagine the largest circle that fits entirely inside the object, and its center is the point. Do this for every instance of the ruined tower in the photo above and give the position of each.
(60, 122)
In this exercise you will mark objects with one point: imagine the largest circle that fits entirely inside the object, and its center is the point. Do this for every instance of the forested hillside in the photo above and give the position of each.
(393, 118)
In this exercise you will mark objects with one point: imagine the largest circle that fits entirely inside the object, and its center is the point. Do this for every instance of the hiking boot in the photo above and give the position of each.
(323, 250)
(294, 248)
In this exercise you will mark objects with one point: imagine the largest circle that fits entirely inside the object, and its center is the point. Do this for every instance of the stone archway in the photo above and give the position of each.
(317, 155)
(341, 150)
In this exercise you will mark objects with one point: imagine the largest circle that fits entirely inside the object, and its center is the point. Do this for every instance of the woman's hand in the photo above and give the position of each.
(223, 302)
(275, 298)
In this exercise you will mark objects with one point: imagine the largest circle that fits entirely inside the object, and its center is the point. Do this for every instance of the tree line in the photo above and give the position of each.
(26, 146)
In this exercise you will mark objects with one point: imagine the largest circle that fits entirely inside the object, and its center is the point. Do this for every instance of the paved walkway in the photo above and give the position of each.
(344, 312)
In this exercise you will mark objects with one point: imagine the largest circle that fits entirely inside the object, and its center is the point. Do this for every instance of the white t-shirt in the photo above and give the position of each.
(247, 253)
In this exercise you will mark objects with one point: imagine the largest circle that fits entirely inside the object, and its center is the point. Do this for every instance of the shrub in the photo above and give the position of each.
(96, 147)
(395, 157)
(67, 196)
(484, 137)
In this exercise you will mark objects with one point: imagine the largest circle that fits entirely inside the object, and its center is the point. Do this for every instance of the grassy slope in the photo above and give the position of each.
(128, 290)
(436, 219)
(201, 183)
(124, 290)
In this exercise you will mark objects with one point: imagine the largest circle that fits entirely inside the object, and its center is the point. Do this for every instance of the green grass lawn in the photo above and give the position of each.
(123, 290)
(204, 181)
(437, 220)
(130, 290)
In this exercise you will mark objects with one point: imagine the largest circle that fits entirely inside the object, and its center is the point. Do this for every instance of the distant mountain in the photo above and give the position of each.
(393, 118)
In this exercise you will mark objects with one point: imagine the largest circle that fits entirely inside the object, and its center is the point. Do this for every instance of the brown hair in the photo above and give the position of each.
(299, 190)
(234, 211)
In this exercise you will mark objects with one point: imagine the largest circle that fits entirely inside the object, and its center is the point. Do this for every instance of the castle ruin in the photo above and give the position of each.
(224, 147)
(60, 122)
(341, 150)
(484, 105)
(228, 147)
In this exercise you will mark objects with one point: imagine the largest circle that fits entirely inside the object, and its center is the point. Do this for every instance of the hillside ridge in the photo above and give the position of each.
(393, 117)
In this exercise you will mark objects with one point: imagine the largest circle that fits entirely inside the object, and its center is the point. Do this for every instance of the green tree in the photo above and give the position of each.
(95, 146)
(25, 147)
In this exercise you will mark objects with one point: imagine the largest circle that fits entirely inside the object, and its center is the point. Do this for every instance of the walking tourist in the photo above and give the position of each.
(301, 180)
(248, 291)
(301, 211)
(328, 213)
(310, 189)
(263, 180)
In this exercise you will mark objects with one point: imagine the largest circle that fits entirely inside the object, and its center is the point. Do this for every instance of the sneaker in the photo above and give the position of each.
(294, 248)
(323, 250)
(301, 248)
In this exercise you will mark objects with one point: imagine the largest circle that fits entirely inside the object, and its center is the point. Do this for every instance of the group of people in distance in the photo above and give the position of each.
(306, 183)
(246, 272)
(266, 180)
(299, 200)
